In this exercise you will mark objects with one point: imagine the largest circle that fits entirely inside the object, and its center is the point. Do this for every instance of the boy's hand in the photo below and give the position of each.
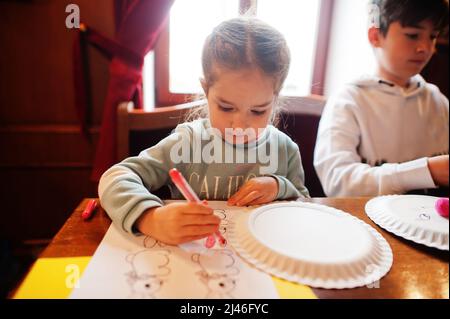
(438, 166)
(177, 223)
(258, 190)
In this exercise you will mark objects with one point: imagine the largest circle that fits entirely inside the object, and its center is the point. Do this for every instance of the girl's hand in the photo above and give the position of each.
(258, 190)
(177, 223)
(438, 166)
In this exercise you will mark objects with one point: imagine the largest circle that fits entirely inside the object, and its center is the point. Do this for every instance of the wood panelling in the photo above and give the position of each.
(33, 145)
(45, 163)
(36, 83)
(436, 71)
(35, 201)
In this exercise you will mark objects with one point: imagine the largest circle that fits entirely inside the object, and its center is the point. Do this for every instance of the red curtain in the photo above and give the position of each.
(138, 24)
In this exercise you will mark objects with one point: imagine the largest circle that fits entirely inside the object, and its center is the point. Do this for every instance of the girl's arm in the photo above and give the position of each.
(125, 188)
(293, 185)
(287, 182)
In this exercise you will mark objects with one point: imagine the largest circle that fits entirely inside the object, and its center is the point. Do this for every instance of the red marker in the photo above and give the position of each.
(190, 196)
(89, 210)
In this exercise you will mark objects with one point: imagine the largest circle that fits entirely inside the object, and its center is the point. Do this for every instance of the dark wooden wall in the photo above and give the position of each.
(436, 71)
(45, 163)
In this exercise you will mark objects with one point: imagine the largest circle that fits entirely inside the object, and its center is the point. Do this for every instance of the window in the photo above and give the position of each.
(298, 21)
(350, 54)
(327, 38)
(190, 23)
(178, 53)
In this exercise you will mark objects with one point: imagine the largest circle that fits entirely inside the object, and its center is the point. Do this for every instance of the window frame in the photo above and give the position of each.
(163, 96)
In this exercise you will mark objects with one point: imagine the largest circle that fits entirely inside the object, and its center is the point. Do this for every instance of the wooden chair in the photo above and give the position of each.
(300, 116)
(140, 129)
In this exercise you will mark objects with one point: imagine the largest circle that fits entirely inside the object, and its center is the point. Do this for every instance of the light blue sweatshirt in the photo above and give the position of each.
(214, 168)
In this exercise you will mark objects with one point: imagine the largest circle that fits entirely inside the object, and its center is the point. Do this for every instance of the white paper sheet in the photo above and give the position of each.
(128, 267)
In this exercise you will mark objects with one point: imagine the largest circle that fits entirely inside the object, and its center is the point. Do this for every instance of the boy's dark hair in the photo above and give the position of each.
(411, 12)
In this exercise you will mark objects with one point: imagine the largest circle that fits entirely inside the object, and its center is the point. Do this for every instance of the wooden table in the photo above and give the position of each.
(417, 271)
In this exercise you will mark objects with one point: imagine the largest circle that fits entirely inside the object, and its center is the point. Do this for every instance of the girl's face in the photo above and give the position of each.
(240, 103)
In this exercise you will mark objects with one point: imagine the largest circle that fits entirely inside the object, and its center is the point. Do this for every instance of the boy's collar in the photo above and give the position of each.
(416, 83)
(381, 81)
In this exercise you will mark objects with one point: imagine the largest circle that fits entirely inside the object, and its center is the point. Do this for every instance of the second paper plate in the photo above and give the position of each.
(412, 217)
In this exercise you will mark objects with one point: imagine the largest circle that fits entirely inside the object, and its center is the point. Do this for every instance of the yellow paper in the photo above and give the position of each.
(52, 278)
(290, 290)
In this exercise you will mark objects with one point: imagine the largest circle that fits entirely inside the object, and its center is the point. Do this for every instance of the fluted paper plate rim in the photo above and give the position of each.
(400, 228)
(279, 265)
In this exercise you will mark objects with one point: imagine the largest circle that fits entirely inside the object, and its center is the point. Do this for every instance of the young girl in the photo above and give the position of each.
(232, 154)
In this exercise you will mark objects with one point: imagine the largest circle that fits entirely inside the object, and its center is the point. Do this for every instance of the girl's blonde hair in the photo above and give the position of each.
(243, 43)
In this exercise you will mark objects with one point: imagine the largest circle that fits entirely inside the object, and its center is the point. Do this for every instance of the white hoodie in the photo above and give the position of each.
(374, 137)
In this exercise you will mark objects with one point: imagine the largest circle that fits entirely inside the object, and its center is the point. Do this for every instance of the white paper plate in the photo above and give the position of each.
(412, 217)
(311, 244)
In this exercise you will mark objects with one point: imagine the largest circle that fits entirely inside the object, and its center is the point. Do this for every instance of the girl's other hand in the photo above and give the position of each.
(438, 166)
(177, 223)
(258, 190)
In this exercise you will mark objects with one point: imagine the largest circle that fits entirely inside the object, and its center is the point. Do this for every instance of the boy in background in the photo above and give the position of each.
(389, 133)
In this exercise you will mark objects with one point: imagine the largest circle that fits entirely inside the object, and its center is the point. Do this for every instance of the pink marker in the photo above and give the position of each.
(188, 193)
(441, 207)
